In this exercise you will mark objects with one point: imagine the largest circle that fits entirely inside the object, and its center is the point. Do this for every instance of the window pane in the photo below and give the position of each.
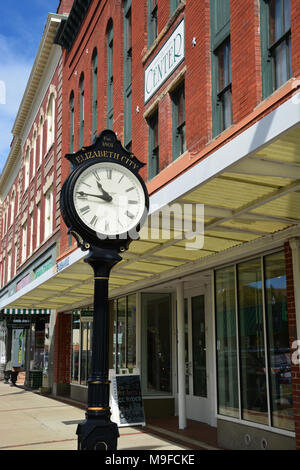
(287, 15)
(131, 329)
(121, 336)
(278, 339)
(84, 352)
(227, 371)
(199, 346)
(227, 109)
(252, 350)
(156, 344)
(280, 64)
(89, 348)
(75, 348)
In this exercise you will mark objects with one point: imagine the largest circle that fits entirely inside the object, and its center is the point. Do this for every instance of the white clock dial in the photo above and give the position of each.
(108, 198)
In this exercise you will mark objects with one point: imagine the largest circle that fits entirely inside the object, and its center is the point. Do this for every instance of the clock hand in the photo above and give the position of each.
(106, 197)
(104, 192)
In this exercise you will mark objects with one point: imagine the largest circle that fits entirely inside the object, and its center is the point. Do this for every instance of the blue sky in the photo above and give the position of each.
(22, 24)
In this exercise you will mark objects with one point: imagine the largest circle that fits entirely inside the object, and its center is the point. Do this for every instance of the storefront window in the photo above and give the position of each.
(278, 339)
(75, 348)
(131, 331)
(121, 326)
(226, 343)
(156, 344)
(265, 385)
(125, 333)
(252, 348)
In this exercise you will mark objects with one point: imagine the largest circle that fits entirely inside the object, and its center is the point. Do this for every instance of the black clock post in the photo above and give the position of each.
(104, 175)
(97, 432)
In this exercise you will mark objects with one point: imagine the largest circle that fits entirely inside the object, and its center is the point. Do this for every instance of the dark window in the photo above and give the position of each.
(179, 141)
(95, 94)
(224, 84)
(152, 21)
(127, 75)
(153, 164)
(110, 79)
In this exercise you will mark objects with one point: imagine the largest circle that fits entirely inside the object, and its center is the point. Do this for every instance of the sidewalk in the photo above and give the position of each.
(30, 421)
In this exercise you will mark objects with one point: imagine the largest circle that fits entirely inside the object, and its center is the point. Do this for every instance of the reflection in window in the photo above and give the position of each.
(252, 349)
(226, 343)
(75, 348)
(280, 40)
(156, 344)
(278, 338)
(257, 393)
(124, 342)
(199, 346)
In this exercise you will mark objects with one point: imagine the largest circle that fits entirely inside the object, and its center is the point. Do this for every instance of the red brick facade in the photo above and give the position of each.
(293, 337)
(62, 349)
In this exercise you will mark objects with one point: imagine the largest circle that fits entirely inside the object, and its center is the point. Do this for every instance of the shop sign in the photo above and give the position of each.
(165, 62)
(24, 282)
(43, 268)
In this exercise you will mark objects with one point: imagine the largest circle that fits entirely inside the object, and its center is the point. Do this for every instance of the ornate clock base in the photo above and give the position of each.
(97, 434)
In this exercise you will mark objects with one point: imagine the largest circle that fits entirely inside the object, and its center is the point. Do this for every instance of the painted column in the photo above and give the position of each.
(181, 356)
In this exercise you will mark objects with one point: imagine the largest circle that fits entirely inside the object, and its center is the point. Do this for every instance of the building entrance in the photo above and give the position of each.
(199, 393)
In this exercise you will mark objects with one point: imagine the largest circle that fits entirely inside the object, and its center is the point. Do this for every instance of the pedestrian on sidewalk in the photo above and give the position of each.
(7, 372)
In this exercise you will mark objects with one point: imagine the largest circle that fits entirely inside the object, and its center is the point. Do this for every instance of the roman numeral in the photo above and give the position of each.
(86, 184)
(106, 226)
(131, 216)
(96, 175)
(108, 173)
(132, 202)
(84, 210)
(121, 179)
(94, 221)
(129, 189)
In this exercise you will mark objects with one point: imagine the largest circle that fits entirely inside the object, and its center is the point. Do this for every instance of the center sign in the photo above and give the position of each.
(165, 62)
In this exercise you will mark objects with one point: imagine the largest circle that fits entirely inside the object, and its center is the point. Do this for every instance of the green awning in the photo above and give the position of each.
(25, 311)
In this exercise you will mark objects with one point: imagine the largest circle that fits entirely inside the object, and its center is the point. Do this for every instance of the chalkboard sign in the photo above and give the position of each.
(126, 400)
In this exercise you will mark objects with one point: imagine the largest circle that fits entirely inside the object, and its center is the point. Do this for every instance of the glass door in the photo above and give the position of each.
(197, 402)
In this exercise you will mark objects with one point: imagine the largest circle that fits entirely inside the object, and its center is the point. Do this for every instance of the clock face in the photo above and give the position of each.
(109, 198)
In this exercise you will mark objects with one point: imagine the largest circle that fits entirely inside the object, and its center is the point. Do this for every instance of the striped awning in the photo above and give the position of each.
(25, 311)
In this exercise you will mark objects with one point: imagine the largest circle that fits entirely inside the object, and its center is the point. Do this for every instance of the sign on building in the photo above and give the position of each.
(165, 62)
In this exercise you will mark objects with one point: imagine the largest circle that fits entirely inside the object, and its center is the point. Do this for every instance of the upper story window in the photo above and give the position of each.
(127, 75)
(110, 78)
(12, 208)
(34, 152)
(224, 84)
(81, 127)
(26, 168)
(275, 44)
(152, 21)
(174, 5)
(48, 213)
(95, 94)
(41, 132)
(178, 121)
(153, 158)
(24, 242)
(50, 121)
(221, 65)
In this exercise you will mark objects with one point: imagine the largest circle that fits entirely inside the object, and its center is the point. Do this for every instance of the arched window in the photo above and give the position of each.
(95, 94)
(12, 208)
(72, 122)
(41, 132)
(81, 129)
(50, 121)
(34, 152)
(26, 168)
(109, 116)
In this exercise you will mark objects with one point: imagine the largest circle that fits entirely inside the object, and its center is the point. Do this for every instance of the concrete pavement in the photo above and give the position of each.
(30, 421)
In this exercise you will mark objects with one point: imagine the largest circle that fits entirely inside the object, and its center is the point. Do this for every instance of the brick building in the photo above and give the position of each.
(207, 95)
